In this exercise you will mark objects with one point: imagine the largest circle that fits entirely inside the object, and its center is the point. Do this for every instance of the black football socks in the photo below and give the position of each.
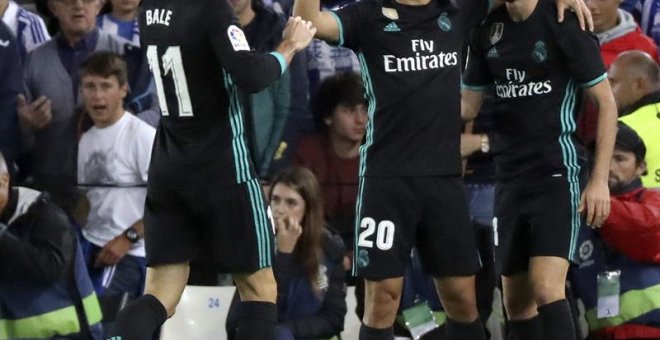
(527, 329)
(455, 330)
(368, 333)
(557, 321)
(139, 320)
(256, 321)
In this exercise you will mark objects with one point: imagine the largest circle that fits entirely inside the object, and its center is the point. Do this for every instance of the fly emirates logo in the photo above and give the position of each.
(425, 58)
(518, 88)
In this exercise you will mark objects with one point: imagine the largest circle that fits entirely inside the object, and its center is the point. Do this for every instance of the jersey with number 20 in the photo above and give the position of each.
(411, 59)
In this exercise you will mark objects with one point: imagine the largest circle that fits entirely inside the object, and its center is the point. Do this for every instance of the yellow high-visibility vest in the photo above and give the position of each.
(646, 122)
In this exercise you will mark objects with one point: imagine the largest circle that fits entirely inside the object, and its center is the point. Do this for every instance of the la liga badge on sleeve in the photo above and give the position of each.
(237, 38)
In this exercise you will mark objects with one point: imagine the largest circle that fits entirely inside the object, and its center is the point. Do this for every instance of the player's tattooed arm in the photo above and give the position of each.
(326, 26)
(595, 201)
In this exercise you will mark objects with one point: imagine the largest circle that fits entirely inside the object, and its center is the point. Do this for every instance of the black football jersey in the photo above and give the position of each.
(199, 55)
(410, 58)
(538, 68)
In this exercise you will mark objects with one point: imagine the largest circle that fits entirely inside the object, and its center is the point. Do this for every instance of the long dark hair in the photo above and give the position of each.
(309, 248)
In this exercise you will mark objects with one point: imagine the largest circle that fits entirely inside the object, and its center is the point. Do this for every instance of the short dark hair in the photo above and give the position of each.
(339, 89)
(105, 64)
(627, 139)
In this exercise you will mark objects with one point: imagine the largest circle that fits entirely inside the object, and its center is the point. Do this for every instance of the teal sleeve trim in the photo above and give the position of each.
(280, 58)
(595, 81)
(490, 4)
(474, 87)
(341, 28)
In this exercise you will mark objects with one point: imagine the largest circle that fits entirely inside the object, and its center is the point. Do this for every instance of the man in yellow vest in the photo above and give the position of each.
(635, 80)
(45, 291)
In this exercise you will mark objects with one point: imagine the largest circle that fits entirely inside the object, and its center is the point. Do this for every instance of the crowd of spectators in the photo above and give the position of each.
(78, 109)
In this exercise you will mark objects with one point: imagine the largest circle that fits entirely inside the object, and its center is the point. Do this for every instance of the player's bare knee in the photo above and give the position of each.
(460, 305)
(382, 301)
(462, 310)
(458, 297)
(381, 309)
(520, 307)
(547, 291)
(257, 286)
(383, 292)
(385, 297)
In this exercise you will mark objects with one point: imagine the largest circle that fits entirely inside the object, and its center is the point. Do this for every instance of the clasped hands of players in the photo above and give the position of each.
(595, 203)
(297, 34)
(288, 233)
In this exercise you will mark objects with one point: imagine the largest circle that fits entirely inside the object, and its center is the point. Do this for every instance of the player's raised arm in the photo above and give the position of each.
(249, 70)
(326, 25)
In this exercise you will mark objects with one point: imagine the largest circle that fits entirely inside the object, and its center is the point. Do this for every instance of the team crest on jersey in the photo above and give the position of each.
(390, 13)
(237, 38)
(363, 258)
(496, 32)
(539, 53)
(444, 22)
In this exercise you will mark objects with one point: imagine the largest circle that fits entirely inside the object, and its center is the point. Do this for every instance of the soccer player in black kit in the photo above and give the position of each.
(538, 69)
(410, 191)
(202, 188)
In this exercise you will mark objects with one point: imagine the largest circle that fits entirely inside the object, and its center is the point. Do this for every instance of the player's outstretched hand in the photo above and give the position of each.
(288, 232)
(595, 203)
(581, 11)
(299, 32)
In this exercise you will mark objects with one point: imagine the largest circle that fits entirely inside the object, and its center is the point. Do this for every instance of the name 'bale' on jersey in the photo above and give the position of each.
(411, 60)
(199, 55)
(538, 67)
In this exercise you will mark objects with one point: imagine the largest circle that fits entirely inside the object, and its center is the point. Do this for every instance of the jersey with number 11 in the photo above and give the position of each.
(199, 58)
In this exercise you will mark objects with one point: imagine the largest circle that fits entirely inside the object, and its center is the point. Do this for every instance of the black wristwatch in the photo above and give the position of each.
(132, 235)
